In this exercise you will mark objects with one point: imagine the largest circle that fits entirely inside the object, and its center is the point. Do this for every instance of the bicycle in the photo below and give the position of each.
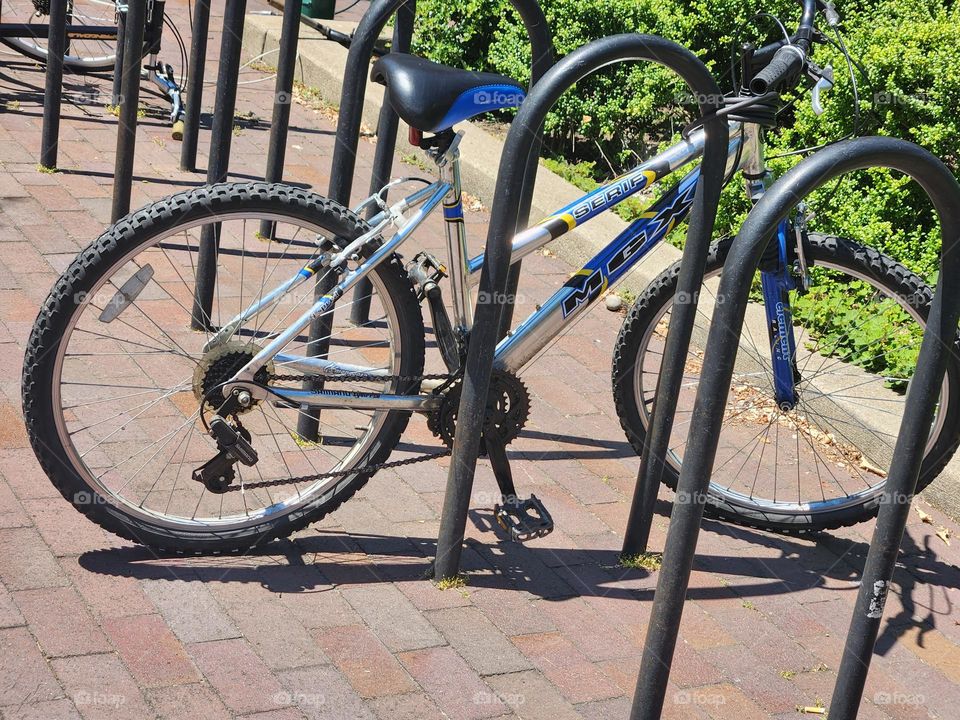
(190, 443)
(92, 41)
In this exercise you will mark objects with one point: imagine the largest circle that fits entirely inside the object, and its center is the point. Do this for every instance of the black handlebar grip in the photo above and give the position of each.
(787, 62)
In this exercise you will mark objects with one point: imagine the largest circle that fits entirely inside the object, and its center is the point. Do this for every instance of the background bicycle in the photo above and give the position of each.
(92, 42)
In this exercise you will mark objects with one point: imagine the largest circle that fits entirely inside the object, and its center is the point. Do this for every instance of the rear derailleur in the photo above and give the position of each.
(233, 446)
(507, 410)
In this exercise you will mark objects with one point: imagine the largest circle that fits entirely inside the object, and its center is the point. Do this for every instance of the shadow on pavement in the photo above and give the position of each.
(321, 561)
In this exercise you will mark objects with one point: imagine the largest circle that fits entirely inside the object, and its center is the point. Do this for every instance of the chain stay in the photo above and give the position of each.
(354, 377)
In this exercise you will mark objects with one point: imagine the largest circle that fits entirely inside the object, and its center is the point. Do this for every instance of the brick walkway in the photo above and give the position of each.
(336, 623)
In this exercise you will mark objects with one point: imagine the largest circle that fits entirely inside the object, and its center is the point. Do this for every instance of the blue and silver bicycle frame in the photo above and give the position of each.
(582, 290)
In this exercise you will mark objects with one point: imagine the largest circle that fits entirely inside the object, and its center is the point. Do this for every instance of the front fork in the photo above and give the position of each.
(777, 276)
(776, 284)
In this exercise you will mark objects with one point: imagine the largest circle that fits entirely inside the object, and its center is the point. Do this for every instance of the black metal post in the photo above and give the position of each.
(129, 104)
(541, 45)
(53, 94)
(221, 135)
(656, 444)
(282, 98)
(194, 101)
(383, 155)
(710, 406)
(118, 59)
(342, 169)
(515, 166)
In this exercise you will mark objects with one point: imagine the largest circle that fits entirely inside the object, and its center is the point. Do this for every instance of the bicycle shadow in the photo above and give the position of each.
(324, 560)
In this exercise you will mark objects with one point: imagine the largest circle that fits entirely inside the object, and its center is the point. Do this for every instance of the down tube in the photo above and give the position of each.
(601, 272)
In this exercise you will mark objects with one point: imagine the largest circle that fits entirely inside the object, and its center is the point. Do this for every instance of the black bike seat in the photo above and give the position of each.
(433, 97)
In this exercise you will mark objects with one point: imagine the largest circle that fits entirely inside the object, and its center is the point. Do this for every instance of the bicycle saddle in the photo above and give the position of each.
(433, 97)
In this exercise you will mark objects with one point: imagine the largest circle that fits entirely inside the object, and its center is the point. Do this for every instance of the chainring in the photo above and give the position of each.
(508, 407)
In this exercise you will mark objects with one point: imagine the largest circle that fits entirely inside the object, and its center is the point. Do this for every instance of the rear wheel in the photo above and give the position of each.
(82, 54)
(114, 376)
(823, 463)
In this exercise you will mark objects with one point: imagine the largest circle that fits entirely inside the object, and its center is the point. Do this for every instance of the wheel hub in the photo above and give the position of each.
(219, 365)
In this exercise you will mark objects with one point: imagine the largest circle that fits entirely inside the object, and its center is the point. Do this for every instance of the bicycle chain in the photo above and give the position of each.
(371, 469)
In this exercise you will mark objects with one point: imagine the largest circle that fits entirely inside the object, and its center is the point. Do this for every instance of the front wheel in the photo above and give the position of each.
(117, 379)
(823, 463)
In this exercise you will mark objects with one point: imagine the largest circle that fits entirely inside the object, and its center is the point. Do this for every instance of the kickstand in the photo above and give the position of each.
(523, 519)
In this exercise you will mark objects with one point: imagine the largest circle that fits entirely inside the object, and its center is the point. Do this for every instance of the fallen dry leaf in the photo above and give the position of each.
(944, 534)
(869, 467)
(924, 517)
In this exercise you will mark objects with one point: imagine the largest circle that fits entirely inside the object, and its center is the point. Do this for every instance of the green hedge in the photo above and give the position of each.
(910, 49)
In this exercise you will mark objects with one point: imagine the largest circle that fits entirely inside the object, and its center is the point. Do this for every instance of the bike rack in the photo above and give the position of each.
(221, 137)
(195, 75)
(514, 183)
(387, 125)
(702, 440)
(348, 132)
(56, 34)
(221, 132)
(129, 62)
(283, 97)
(125, 94)
(53, 94)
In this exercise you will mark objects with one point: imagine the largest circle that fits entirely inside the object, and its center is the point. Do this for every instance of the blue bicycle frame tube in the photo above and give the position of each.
(776, 287)
(604, 269)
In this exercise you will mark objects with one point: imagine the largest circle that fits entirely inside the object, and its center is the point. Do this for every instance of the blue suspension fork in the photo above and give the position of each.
(776, 286)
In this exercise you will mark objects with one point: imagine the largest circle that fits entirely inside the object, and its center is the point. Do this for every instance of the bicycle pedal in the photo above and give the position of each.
(523, 519)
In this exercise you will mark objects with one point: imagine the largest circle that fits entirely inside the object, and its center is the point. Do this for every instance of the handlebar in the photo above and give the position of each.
(787, 63)
(784, 59)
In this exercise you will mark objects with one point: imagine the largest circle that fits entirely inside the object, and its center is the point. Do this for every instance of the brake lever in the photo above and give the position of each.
(824, 81)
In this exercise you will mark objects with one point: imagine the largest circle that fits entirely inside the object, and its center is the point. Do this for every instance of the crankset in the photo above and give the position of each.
(507, 410)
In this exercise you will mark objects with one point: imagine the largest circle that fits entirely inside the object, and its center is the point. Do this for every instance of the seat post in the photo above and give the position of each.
(456, 235)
